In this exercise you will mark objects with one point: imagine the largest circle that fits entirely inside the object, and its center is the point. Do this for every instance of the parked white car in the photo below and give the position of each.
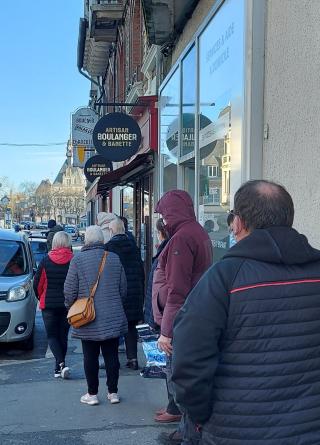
(17, 299)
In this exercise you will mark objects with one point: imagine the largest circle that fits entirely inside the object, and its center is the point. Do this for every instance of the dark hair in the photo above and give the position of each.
(261, 204)
(230, 218)
(125, 222)
(209, 226)
(51, 223)
(161, 228)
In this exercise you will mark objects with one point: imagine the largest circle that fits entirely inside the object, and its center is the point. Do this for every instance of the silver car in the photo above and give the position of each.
(17, 299)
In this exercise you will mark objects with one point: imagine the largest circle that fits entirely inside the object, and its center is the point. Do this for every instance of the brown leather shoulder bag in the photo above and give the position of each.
(82, 311)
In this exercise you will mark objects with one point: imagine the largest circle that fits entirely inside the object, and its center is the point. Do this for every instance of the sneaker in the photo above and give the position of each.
(57, 373)
(65, 372)
(89, 400)
(132, 364)
(113, 397)
(62, 371)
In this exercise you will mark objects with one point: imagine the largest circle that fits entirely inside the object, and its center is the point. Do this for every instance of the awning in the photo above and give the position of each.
(139, 166)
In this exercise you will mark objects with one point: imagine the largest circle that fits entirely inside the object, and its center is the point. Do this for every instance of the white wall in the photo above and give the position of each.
(292, 106)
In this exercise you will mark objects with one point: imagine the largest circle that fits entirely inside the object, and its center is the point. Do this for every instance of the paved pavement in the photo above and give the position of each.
(35, 408)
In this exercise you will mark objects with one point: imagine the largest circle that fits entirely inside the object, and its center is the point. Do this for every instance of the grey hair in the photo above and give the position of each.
(93, 235)
(117, 226)
(61, 239)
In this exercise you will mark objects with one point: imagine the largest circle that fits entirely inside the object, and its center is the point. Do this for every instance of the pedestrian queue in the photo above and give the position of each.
(48, 285)
(93, 265)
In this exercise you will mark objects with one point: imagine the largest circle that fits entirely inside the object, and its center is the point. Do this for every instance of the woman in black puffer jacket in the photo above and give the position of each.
(133, 303)
(48, 286)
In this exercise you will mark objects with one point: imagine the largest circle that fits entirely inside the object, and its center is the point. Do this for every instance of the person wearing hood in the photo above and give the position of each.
(246, 364)
(130, 258)
(53, 229)
(184, 260)
(103, 221)
(48, 285)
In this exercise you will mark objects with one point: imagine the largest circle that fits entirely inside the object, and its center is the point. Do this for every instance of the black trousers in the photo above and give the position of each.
(109, 350)
(57, 328)
(131, 340)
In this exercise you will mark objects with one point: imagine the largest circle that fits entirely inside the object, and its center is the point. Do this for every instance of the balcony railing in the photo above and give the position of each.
(104, 19)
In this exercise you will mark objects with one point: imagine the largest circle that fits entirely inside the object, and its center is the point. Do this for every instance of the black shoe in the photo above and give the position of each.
(133, 364)
(174, 438)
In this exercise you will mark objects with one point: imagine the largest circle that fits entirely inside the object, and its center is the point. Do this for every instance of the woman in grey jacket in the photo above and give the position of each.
(110, 321)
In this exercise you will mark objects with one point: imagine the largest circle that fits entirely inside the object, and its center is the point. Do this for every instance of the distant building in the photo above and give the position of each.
(68, 194)
(64, 199)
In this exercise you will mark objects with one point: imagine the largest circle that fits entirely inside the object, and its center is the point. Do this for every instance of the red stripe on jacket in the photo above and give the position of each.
(275, 283)
(42, 289)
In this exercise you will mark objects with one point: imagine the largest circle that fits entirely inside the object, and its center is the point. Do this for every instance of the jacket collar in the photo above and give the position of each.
(93, 247)
(282, 245)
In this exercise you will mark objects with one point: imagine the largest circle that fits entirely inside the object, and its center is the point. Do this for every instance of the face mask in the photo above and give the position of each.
(232, 240)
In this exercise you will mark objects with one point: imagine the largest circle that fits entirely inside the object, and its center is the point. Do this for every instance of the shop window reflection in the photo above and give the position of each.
(169, 131)
(187, 151)
(127, 203)
(221, 86)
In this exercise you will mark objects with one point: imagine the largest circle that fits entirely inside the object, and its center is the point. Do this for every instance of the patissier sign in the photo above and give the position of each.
(82, 125)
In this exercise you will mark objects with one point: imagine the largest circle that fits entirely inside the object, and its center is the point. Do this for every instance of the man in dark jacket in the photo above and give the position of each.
(246, 363)
(133, 303)
(53, 229)
(184, 260)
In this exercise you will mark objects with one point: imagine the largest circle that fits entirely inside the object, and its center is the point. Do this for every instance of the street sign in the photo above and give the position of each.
(82, 125)
(117, 136)
(96, 167)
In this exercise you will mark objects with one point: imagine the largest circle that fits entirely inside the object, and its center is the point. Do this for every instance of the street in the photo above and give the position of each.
(36, 408)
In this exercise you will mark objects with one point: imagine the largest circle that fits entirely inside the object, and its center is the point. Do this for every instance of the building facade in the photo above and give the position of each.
(230, 107)
(234, 86)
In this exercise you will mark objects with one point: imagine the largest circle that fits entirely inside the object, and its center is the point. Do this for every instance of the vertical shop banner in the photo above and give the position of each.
(83, 122)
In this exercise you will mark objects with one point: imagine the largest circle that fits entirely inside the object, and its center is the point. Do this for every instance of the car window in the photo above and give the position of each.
(13, 259)
(39, 247)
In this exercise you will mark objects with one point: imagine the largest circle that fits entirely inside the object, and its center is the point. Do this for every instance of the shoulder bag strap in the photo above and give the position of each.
(102, 264)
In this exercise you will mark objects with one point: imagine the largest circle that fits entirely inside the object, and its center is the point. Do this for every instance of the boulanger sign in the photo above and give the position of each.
(82, 125)
(96, 167)
(117, 136)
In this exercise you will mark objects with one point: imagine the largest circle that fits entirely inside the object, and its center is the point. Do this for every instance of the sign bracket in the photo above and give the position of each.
(123, 104)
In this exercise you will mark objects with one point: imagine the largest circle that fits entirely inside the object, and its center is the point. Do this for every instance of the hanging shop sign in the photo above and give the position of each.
(96, 167)
(83, 122)
(117, 136)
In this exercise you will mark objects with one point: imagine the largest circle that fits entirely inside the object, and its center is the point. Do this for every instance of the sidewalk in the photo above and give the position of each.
(38, 409)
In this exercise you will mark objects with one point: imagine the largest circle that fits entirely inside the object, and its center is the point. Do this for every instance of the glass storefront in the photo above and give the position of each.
(207, 154)
(169, 131)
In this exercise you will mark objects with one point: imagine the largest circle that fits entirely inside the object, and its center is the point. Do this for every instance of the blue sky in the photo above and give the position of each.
(39, 84)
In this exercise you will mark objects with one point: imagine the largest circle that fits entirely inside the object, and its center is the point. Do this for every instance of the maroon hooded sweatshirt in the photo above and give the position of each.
(184, 260)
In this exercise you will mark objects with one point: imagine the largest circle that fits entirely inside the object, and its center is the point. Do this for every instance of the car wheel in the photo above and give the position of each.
(28, 344)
